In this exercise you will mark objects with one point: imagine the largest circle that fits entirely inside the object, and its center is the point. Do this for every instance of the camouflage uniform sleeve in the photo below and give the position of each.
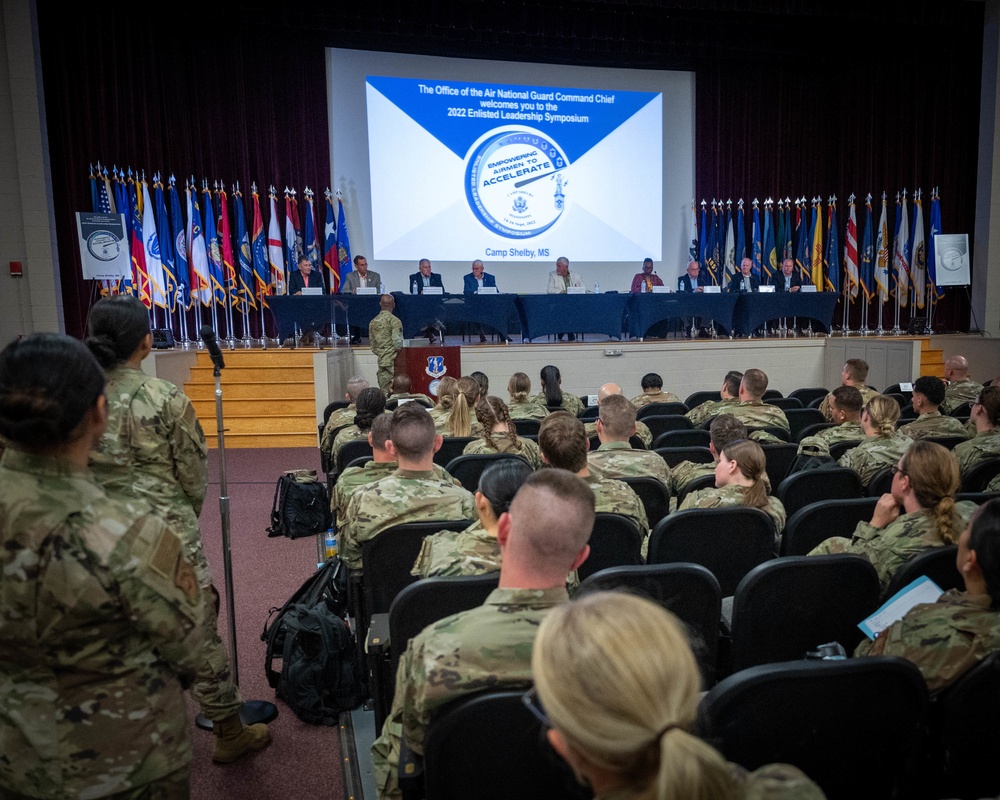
(644, 433)
(188, 449)
(397, 333)
(814, 446)
(159, 591)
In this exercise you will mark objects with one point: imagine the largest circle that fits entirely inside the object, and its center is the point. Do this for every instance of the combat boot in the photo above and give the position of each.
(234, 739)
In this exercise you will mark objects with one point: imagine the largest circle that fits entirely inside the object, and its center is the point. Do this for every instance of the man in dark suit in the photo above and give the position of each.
(473, 282)
(788, 280)
(420, 280)
(745, 281)
(305, 277)
(424, 277)
(692, 280)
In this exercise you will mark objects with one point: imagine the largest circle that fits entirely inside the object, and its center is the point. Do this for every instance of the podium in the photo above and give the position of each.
(427, 365)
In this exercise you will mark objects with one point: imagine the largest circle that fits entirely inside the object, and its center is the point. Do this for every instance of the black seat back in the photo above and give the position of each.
(812, 428)
(778, 459)
(703, 482)
(696, 437)
(615, 541)
(349, 451)
(698, 398)
(785, 403)
(468, 468)
(938, 564)
(801, 418)
(837, 449)
(880, 483)
(789, 606)
(979, 477)
(451, 448)
(661, 423)
(654, 495)
(527, 427)
(658, 409)
(947, 441)
(807, 394)
(846, 724)
(729, 542)
(799, 490)
(817, 522)
(589, 413)
(675, 455)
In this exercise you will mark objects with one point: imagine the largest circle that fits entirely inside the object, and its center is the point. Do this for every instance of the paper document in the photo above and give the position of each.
(922, 590)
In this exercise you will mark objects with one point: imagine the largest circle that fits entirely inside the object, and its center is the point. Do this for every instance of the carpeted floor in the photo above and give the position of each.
(303, 760)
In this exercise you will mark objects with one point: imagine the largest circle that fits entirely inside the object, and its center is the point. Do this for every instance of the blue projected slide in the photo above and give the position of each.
(513, 173)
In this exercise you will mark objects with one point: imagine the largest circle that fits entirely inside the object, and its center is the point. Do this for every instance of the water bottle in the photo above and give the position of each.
(330, 543)
(597, 288)
(413, 287)
(642, 287)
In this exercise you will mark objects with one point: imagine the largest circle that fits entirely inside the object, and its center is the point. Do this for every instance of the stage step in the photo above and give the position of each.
(931, 359)
(268, 398)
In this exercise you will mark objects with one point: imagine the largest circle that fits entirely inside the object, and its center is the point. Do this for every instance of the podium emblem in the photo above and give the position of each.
(435, 366)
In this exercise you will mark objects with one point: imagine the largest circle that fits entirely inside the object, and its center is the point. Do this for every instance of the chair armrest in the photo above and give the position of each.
(378, 635)
(411, 773)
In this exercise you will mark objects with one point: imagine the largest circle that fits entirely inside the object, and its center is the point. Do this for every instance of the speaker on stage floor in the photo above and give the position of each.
(916, 326)
(163, 338)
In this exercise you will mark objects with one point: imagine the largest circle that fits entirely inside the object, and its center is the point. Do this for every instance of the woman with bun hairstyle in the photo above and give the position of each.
(883, 444)
(100, 612)
(154, 450)
(521, 405)
(617, 686)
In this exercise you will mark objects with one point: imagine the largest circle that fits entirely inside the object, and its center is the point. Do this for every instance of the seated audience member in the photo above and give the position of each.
(854, 373)
(724, 429)
(986, 417)
(499, 435)
(342, 416)
(102, 621)
(948, 637)
(617, 690)
(446, 393)
(961, 388)
(652, 392)
(744, 281)
(413, 493)
(752, 411)
(552, 395)
(928, 393)
(730, 392)
(484, 382)
(606, 390)
(371, 404)
(542, 537)
(616, 458)
(845, 410)
(383, 463)
(521, 405)
(564, 446)
(740, 480)
(883, 445)
(459, 421)
(474, 551)
(994, 485)
(402, 389)
(645, 281)
(919, 513)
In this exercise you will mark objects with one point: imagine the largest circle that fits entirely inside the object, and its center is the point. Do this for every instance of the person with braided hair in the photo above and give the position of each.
(919, 513)
(499, 435)
(371, 403)
(445, 400)
(617, 689)
(883, 444)
(740, 480)
(521, 405)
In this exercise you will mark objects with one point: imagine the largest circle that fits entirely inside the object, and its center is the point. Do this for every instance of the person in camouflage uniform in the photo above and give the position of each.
(621, 715)
(154, 450)
(382, 464)
(542, 537)
(371, 404)
(919, 513)
(474, 551)
(402, 390)
(725, 428)
(446, 391)
(752, 411)
(616, 458)
(342, 416)
(986, 444)
(499, 435)
(101, 619)
(948, 637)
(855, 373)
(883, 444)
(845, 410)
(642, 431)
(385, 334)
(928, 394)
(961, 388)
(521, 405)
(460, 421)
(730, 392)
(652, 392)
(410, 494)
(740, 481)
(564, 446)
(994, 485)
(552, 396)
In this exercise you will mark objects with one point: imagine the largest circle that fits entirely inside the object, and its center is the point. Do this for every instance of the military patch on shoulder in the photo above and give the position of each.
(166, 551)
(185, 579)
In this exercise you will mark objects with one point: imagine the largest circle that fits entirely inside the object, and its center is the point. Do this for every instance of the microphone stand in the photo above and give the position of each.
(253, 711)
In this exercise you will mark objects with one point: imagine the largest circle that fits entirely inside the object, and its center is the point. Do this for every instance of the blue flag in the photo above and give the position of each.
(935, 221)
(741, 238)
(712, 248)
(703, 238)
(215, 270)
(802, 239)
(832, 272)
(180, 246)
(756, 243)
(866, 272)
(166, 247)
(244, 258)
(770, 261)
(343, 242)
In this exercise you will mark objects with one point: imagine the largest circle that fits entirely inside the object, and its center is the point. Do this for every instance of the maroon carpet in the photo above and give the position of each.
(303, 760)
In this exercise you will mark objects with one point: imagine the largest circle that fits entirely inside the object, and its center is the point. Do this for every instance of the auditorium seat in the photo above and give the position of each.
(799, 490)
(817, 522)
(696, 437)
(467, 468)
(654, 409)
(784, 403)
(698, 398)
(938, 564)
(979, 477)
(675, 455)
(799, 418)
(615, 541)
(807, 394)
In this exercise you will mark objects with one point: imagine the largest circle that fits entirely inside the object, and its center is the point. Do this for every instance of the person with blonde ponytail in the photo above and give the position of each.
(521, 405)
(460, 422)
(446, 391)
(883, 444)
(617, 687)
(919, 513)
(740, 480)
(499, 435)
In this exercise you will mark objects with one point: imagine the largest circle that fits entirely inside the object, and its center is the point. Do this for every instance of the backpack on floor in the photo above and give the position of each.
(318, 677)
(301, 505)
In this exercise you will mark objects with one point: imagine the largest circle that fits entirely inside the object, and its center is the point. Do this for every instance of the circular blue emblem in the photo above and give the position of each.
(515, 183)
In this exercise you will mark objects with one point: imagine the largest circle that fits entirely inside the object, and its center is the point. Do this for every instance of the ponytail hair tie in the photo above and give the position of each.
(664, 730)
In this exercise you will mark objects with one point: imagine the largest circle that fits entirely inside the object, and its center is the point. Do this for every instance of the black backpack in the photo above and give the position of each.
(318, 677)
(301, 506)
